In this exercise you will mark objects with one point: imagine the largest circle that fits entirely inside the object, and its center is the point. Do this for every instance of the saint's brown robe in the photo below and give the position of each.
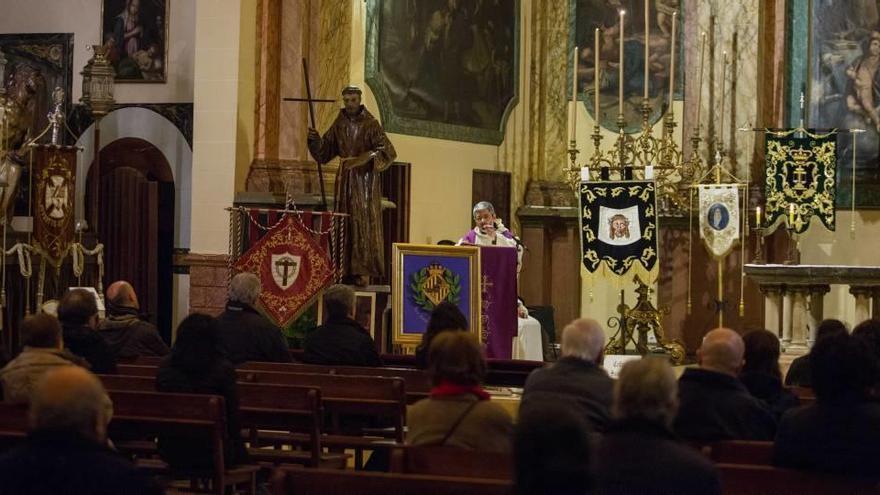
(358, 189)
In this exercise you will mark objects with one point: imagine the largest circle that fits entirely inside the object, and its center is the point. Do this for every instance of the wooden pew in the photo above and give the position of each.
(451, 461)
(137, 370)
(295, 410)
(344, 396)
(153, 414)
(13, 424)
(417, 382)
(337, 482)
(741, 452)
(740, 479)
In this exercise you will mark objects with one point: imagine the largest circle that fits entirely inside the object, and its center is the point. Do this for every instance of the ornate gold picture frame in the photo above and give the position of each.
(425, 275)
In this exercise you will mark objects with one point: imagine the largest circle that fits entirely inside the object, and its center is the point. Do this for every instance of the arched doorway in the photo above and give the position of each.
(135, 222)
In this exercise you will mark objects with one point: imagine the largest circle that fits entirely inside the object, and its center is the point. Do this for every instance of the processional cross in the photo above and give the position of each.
(311, 101)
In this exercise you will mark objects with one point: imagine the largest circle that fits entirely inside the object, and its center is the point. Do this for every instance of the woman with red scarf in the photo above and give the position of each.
(458, 413)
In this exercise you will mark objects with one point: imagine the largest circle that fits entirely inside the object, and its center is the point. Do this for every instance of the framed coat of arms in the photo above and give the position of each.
(423, 276)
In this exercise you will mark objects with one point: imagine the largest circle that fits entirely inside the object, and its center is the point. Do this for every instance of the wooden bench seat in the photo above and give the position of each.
(742, 479)
(154, 414)
(451, 461)
(329, 482)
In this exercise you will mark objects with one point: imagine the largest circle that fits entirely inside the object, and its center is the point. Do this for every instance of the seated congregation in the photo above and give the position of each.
(104, 407)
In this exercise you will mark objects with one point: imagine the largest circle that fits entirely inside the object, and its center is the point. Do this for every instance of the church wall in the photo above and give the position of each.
(83, 19)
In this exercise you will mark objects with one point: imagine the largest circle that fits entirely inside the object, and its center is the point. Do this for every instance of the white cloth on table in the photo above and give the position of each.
(528, 345)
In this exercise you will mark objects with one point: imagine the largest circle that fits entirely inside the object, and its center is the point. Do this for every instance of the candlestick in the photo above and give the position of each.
(574, 92)
(596, 76)
(672, 60)
(620, 70)
(723, 76)
(647, 45)
(700, 87)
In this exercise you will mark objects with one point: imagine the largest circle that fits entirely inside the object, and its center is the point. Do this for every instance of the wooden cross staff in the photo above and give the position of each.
(311, 101)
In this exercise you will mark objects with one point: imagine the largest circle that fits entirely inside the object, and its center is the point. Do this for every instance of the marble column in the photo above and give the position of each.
(786, 316)
(772, 308)
(875, 307)
(816, 314)
(799, 320)
(863, 296)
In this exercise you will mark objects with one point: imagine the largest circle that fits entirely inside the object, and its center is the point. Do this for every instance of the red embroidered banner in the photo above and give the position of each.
(54, 178)
(293, 269)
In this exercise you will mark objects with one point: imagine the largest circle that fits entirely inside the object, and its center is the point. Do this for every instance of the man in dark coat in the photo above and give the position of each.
(576, 381)
(66, 451)
(126, 333)
(840, 433)
(340, 340)
(714, 404)
(799, 374)
(639, 454)
(245, 334)
(358, 139)
(78, 314)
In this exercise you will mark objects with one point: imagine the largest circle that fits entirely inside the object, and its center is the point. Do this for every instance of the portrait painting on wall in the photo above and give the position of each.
(604, 15)
(135, 33)
(844, 91)
(36, 64)
(444, 68)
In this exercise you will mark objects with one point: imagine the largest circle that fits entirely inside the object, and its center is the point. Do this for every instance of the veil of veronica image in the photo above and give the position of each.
(801, 170)
(619, 228)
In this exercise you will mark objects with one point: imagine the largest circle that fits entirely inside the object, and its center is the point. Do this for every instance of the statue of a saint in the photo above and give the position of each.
(359, 140)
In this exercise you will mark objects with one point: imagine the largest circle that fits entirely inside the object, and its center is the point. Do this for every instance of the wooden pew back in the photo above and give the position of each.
(137, 370)
(451, 461)
(739, 479)
(742, 452)
(13, 424)
(339, 482)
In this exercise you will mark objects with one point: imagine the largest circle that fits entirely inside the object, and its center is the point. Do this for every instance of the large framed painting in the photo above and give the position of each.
(136, 33)
(444, 69)
(36, 65)
(843, 90)
(587, 16)
(423, 276)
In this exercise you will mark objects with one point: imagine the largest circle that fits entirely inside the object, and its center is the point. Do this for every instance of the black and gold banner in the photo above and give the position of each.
(54, 178)
(800, 178)
(619, 227)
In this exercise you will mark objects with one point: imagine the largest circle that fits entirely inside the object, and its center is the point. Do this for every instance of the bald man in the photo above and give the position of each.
(66, 450)
(577, 380)
(128, 336)
(715, 405)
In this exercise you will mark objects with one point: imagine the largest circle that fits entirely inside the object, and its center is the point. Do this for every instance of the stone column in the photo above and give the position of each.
(799, 320)
(772, 308)
(863, 297)
(786, 316)
(875, 309)
(816, 313)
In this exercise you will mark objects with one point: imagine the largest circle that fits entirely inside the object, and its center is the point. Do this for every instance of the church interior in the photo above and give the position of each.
(440, 246)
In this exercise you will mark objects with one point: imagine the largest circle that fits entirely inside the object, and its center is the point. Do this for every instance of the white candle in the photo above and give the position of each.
(585, 174)
(791, 215)
(620, 69)
(758, 217)
(723, 77)
(574, 92)
(700, 87)
(649, 172)
(647, 44)
(672, 60)
(596, 76)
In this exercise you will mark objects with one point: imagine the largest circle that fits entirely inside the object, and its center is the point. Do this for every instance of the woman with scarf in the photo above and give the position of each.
(458, 413)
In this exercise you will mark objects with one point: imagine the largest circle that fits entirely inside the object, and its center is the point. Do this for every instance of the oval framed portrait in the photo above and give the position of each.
(718, 217)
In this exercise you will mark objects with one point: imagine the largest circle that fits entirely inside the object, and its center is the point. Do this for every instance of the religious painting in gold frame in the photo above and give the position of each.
(136, 35)
(364, 311)
(426, 275)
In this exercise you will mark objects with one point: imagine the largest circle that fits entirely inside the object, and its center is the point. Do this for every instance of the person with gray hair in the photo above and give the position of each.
(715, 404)
(340, 340)
(66, 451)
(639, 453)
(245, 334)
(577, 380)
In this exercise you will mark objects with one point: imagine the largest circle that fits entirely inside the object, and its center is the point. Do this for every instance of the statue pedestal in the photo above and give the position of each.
(289, 177)
(802, 289)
